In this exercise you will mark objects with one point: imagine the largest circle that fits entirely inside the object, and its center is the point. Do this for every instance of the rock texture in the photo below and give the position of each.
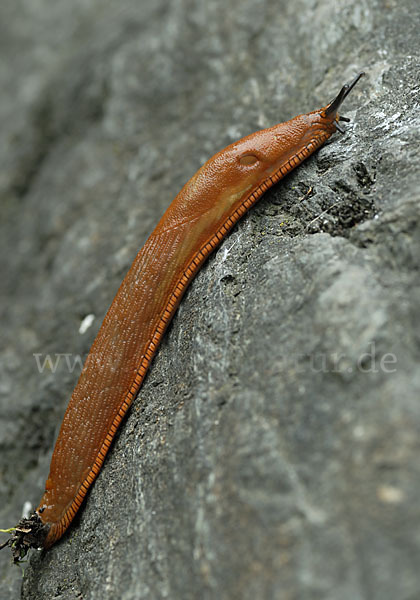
(273, 450)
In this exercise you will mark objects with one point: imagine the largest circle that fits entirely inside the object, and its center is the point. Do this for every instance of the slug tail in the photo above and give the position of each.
(28, 533)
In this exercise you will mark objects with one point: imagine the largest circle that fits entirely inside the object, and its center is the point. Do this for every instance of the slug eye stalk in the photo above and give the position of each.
(331, 110)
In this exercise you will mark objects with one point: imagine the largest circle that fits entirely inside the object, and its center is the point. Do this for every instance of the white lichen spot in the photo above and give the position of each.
(387, 122)
(86, 323)
(26, 510)
(359, 432)
(390, 494)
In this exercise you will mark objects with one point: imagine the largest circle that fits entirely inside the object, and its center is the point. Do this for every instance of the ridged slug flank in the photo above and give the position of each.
(198, 219)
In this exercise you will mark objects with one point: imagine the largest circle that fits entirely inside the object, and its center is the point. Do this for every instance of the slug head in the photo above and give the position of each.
(256, 162)
(264, 153)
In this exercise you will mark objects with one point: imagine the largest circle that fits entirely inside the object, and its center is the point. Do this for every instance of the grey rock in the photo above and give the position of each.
(273, 450)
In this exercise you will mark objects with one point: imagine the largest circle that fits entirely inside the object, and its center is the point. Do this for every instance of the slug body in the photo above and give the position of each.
(195, 223)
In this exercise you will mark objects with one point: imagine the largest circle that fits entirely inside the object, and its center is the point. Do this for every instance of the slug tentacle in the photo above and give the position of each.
(331, 109)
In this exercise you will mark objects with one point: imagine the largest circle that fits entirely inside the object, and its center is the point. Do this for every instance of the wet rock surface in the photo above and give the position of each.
(273, 450)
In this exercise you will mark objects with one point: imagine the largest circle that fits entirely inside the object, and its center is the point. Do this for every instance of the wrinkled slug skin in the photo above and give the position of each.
(199, 217)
